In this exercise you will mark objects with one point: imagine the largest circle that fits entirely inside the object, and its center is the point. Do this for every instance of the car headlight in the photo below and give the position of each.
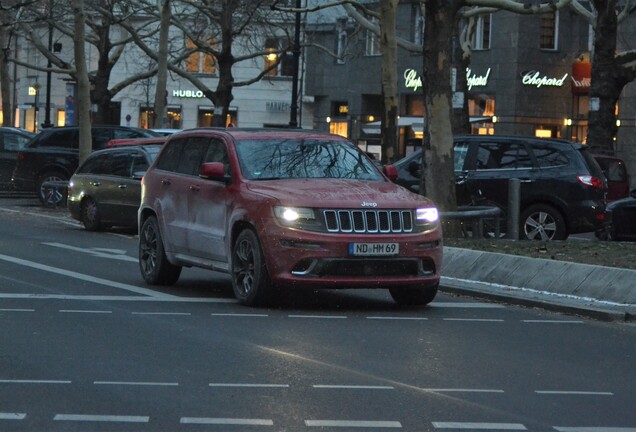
(428, 214)
(289, 215)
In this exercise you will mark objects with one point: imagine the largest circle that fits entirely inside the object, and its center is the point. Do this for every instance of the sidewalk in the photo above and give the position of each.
(594, 291)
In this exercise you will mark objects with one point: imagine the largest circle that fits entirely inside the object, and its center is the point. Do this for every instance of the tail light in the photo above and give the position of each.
(592, 181)
(21, 156)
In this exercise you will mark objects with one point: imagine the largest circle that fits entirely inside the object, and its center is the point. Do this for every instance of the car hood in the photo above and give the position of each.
(335, 193)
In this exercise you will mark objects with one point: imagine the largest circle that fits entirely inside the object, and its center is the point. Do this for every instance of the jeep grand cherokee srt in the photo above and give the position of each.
(285, 209)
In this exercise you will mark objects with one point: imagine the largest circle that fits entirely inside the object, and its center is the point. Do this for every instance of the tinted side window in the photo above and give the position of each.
(92, 165)
(14, 142)
(61, 138)
(169, 157)
(549, 156)
(460, 151)
(117, 164)
(139, 162)
(502, 156)
(126, 133)
(192, 157)
(100, 137)
(218, 153)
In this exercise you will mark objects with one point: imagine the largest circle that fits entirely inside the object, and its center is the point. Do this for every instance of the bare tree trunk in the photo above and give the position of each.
(5, 84)
(162, 67)
(438, 179)
(461, 61)
(388, 48)
(223, 94)
(608, 78)
(83, 85)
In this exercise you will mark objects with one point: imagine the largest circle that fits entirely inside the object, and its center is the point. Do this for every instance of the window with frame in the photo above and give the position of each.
(502, 156)
(481, 37)
(341, 45)
(199, 61)
(372, 41)
(549, 31)
(418, 25)
(277, 55)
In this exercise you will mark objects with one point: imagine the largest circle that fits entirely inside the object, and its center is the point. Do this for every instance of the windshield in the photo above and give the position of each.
(295, 158)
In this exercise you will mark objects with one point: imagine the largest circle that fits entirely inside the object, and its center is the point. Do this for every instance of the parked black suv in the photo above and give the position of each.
(563, 189)
(53, 154)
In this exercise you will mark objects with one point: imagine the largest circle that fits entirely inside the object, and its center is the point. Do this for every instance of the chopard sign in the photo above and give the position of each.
(412, 80)
(534, 78)
(476, 80)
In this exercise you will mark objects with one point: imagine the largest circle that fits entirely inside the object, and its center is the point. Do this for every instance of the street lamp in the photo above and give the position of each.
(293, 117)
(47, 109)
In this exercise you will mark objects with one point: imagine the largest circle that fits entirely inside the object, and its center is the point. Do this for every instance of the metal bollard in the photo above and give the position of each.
(514, 187)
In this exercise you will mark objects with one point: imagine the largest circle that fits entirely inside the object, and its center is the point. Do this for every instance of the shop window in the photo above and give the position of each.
(418, 25)
(278, 58)
(205, 117)
(481, 37)
(549, 31)
(372, 41)
(339, 128)
(173, 118)
(146, 118)
(199, 62)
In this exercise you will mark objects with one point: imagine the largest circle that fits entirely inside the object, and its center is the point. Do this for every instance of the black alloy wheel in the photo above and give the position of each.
(153, 263)
(250, 278)
(90, 215)
(52, 196)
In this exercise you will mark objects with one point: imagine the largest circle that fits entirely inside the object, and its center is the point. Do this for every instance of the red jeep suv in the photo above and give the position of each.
(285, 208)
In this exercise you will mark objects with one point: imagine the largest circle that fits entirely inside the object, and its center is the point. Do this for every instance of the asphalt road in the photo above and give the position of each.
(86, 346)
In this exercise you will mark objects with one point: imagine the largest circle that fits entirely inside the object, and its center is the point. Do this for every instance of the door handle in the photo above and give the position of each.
(526, 180)
(195, 188)
(165, 182)
(95, 183)
(122, 186)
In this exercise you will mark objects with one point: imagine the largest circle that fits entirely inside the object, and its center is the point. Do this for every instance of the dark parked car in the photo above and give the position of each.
(616, 174)
(53, 155)
(562, 187)
(106, 189)
(620, 218)
(286, 208)
(12, 140)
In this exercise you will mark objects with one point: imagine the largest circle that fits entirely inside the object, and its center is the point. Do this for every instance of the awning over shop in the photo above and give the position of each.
(416, 123)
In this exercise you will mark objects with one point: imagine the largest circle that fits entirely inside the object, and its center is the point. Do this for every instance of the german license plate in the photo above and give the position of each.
(374, 249)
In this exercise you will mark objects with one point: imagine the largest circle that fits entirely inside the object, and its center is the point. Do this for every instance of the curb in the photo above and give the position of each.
(597, 292)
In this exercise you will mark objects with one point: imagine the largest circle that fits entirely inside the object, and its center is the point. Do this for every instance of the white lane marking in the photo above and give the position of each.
(353, 423)
(85, 311)
(25, 381)
(83, 277)
(240, 315)
(318, 316)
(583, 393)
(227, 421)
(490, 426)
(553, 322)
(130, 383)
(396, 318)
(101, 418)
(594, 429)
(12, 416)
(162, 313)
(363, 387)
(17, 310)
(474, 319)
(249, 385)
(167, 298)
(461, 390)
(116, 254)
(472, 305)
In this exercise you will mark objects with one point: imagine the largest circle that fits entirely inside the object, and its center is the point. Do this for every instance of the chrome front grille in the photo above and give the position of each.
(369, 221)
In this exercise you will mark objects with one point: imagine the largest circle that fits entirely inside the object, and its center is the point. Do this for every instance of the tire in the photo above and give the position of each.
(542, 222)
(250, 278)
(419, 296)
(90, 215)
(153, 263)
(51, 197)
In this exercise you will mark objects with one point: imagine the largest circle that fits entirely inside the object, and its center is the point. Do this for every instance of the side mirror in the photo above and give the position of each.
(213, 171)
(137, 175)
(414, 169)
(633, 193)
(390, 171)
